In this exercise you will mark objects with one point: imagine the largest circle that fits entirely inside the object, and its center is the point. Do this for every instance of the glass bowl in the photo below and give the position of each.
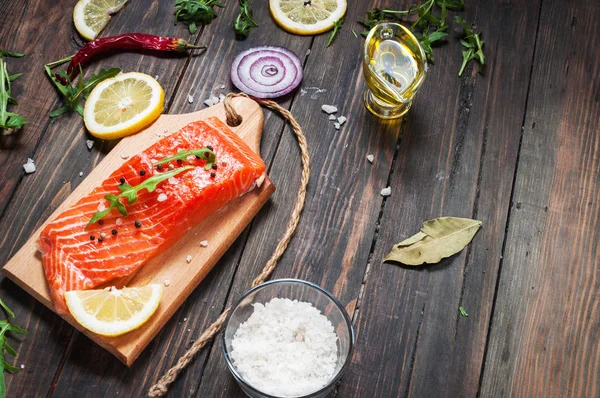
(293, 289)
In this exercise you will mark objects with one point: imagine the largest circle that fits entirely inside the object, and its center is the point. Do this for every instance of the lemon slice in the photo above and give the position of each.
(123, 105)
(113, 312)
(307, 17)
(91, 16)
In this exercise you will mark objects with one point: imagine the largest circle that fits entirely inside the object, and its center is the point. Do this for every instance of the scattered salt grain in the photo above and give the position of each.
(22, 366)
(386, 191)
(188, 259)
(101, 206)
(208, 102)
(162, 197)
(341, 120)
(221, 98)
(329, 109)
(222, 86)
(172, 180)
(336, 125)
(167, 282)
(124, 156)
(190, 99)
(308, 52)
(89, 144)
(185, 319)
(285, 348)
(331, 117)
(370, 158)
(29, 167)
(204, 243)
(119, 221)
(81, 174)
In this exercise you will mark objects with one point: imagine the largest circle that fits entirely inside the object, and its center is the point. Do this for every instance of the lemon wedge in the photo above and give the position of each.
(91, 16)
(307, 17)
(113, 312)
(123, 105)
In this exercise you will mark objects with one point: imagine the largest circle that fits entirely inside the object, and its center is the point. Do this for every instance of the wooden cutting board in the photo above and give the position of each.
(25, 267)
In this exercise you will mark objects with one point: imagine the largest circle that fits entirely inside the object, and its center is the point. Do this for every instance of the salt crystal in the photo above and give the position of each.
(222, 86)
(336, 125)
(101, 206)
(208, 102)
(341, 120)
(81, 174)
(370, 158)
(29, 167)
(188, 259)
(22, 366)
(308, 52)
(124, 156)
(386, 191)
(331, 117)
(190, 99)
(221, 98)
(172, 180)
(119, 221)
(89, 144)
(215, 100)
(276, 332)
(185, 319)
(329, 109)
(204, 243)
(162, 197)
(167, 282)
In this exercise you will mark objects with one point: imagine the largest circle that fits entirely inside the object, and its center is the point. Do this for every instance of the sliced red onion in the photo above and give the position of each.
(266, 71)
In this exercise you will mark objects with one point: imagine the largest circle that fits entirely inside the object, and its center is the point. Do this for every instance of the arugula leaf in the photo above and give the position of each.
(5, 327)
(473, 46)
(463, 312)
(8, 120)
(202, 153)
(72, 94)
(244, 22)
(130, 193)
(194, 12)
(337, 25)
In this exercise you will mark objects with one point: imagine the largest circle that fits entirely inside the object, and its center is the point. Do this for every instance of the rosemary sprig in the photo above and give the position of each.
(131, 193)
(202, 153)
(5, 327)
(244, 22)
(72, 94)
(196, 12)
(337, 25)
(473, 45)
(8, 120)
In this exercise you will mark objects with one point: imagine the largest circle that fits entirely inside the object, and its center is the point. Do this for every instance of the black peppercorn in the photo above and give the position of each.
(114, 231)
(209, 147)
(179, 161)
(138, 224)
(214, 166)
(142, 172)
(100, 239)
(159, 167)
(100, 222)
(122, 180)
(213, 174)
(92, 237)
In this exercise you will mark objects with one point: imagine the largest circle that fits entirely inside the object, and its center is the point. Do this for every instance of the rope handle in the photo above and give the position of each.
(235, 119)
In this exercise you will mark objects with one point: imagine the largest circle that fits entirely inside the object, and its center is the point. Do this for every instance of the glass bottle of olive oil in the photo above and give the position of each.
(394, 67)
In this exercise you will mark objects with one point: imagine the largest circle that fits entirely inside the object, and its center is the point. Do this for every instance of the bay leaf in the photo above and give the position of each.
(444, 237)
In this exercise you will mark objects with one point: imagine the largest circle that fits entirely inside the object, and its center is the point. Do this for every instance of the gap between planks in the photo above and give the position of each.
(510, 201)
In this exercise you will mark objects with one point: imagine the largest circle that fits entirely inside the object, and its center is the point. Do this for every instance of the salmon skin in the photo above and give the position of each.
(74, 261)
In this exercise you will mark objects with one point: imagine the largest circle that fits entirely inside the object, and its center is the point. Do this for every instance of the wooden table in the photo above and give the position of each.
(517, 147)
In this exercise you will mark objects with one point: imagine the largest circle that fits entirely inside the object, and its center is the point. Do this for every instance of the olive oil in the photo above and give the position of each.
(394, 67)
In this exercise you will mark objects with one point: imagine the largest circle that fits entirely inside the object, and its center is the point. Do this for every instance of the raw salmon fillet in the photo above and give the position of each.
(73, 261)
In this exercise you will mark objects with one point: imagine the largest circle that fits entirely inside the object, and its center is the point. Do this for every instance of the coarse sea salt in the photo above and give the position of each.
(285, 348)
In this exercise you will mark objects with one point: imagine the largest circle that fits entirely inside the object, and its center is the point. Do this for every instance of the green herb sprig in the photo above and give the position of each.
(473, 46)
(463, 312)
(72, 95)
(196, 12)
(5, 327)
(131, 193)
(202, 153)
(8, 120)
(244, 22)
(337, 25)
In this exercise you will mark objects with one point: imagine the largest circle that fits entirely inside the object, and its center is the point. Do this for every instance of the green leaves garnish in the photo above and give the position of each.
(463, 312)
(129, 192)
(196, 12)
(244, 22)
(8, 120)
(202, 153)
(5, 327)
(473, 45)
(337, 25)
(72, 94)
(429, 27)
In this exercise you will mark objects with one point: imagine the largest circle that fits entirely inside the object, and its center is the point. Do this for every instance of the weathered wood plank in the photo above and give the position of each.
(456, 157)
(60, 155)
(204, 77)
(545, 334)
(331, 246)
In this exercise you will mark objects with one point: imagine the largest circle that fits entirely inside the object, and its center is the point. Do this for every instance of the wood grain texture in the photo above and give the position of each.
(456, 158)
(545, 335)
(332, 243)
(204, 76)
(220, 230)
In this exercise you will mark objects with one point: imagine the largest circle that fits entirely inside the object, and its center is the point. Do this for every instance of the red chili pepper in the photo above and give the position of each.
(128, 41)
